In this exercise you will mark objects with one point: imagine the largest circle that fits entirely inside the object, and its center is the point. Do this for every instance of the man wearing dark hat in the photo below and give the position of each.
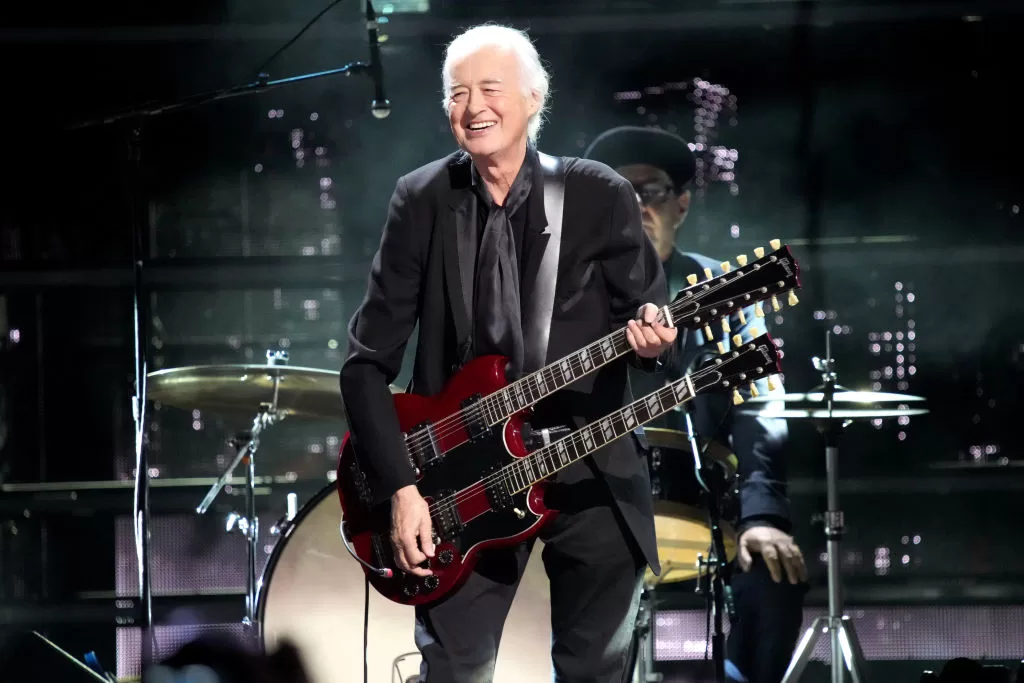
(769, 588)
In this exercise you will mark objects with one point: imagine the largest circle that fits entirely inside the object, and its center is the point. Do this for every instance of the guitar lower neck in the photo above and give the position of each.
(522, 474)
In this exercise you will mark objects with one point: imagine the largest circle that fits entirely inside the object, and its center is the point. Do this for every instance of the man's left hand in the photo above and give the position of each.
(648, 337)
(779, 550)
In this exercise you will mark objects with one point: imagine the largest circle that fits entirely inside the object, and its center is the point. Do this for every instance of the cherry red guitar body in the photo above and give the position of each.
(454, 459)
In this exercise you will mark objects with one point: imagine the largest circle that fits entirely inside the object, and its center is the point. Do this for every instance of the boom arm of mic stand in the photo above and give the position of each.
(260, 85)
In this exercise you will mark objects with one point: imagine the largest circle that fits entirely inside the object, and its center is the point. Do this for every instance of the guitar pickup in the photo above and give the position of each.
(474, 421)
(446, 520)
(424, 450)
(498, 494)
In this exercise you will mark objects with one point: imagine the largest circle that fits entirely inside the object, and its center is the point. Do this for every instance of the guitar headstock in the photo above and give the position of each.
(712, 300)
(748, 362)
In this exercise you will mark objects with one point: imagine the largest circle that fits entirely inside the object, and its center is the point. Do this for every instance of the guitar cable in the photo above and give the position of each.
(366, 629)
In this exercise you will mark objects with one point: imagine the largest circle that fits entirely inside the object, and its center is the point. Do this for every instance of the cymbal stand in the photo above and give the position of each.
(643, 635)
(846, 651)
(711, 579)
(245, 445)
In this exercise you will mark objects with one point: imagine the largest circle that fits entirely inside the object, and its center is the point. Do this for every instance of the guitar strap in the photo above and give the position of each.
(537, 324)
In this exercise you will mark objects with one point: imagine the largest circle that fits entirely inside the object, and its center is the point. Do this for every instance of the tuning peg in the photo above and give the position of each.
(721, 347)
(691, 278)
(772, 386)
(708, 335)
(742, 260)
(758, 310)
(707, 274)
(736, 398)
(776, 306)
(742, 317)
(759, 252)
(775, 245)
(726, 266)
(753, 390)
(725, 325)
(792, 300)
(737, 340)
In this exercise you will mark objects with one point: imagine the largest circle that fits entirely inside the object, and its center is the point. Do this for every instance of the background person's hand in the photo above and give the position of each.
(779, 550)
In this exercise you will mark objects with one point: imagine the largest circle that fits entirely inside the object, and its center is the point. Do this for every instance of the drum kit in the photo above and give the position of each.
(313, 594)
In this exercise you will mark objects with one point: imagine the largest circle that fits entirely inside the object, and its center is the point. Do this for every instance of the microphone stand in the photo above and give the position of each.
(711, 579)
(139, 225)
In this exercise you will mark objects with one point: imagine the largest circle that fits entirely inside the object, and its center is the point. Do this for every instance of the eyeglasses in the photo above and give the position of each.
(653, 194)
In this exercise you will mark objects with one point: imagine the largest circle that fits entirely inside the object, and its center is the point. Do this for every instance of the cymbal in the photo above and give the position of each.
(846, 405)
(304, 393)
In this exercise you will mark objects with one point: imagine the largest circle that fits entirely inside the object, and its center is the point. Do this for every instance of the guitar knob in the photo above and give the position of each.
(431, 582)
(411, 588)
(445, 557)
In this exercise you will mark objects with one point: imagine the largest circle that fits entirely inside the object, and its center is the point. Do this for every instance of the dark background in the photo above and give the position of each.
(881, 140)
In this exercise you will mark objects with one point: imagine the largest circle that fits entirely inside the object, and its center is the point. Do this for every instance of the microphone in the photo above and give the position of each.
(381, 106)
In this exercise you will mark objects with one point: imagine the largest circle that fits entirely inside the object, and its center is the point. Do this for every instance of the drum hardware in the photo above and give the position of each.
(713, 579)
(282, 525)
(711, 467)
(832, 408)
(246, 444)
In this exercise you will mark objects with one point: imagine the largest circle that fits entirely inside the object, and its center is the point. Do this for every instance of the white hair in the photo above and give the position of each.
(533, 76)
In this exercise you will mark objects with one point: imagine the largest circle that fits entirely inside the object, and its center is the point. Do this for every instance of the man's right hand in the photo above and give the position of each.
(411, 534)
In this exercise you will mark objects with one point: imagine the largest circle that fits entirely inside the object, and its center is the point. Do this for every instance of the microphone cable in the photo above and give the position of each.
(298, 35)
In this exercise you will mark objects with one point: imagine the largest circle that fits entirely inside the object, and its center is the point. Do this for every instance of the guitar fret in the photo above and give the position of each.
(539, 381)
(566, 369)
(654, 403)
(607, 430)
(506, 399)
(629, 418)
(563, 456)
(607, 349)
(520, 397)
(584, 360)
(588, 439)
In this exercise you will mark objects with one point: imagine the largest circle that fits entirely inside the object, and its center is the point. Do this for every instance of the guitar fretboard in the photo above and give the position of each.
(521, 474)
(529, 390)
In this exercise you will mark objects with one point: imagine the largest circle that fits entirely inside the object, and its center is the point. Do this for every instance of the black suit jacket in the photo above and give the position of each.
(607, 268)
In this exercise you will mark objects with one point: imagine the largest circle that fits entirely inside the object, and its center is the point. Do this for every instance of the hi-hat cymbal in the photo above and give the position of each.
(846, 405)
(305, 393)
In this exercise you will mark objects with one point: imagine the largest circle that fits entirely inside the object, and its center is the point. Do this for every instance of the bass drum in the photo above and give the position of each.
(312, 594)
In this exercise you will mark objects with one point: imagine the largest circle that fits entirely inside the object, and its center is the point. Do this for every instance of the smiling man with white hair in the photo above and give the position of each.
(501, 249)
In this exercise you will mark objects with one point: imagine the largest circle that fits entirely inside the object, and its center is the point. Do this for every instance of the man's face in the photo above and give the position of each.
(487, 109)
(661, 207)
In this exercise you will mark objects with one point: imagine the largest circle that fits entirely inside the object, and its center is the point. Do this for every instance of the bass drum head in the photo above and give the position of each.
(312, 595)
